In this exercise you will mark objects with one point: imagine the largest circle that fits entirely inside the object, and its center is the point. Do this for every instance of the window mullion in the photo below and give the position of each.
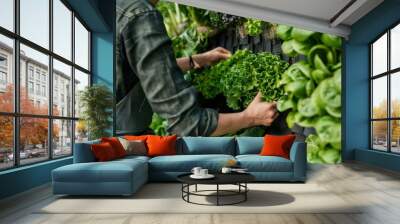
(389, 104)
(16, 70)
(50, 81)
(73, 83)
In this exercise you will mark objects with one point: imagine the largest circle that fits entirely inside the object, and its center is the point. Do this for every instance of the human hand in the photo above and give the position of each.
(261, 113)
(211, 57)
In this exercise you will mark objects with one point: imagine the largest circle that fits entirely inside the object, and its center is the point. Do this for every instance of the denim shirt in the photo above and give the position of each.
(149, 79)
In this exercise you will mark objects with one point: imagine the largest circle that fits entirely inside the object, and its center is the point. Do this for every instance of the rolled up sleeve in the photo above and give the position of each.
(150, 54)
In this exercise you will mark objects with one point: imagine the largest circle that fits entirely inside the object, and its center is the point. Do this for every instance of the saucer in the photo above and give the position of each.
(208, 176)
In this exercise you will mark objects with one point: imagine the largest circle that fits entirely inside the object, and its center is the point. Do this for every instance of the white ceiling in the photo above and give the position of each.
(329, 16)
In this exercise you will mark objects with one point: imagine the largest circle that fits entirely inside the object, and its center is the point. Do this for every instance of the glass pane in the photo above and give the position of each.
(33, 139)
(81, 81)
(62, 89)
(7, 14)
(62, 29)
(395, 136)
(379, 55)
(6, 142)
(379, 135)
(34, 97)
(395, 47)
(62, 138)
(395, 94)
(379, 98)
(35, 21)
(81, 45)
(6, 74)
(81, 131)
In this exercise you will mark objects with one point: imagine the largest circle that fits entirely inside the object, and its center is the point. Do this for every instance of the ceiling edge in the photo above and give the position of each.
(269, 15)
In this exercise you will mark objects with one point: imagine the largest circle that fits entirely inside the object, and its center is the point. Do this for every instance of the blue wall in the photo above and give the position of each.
(24, 178)
(102, 58)
(356, 83)
(99, 16)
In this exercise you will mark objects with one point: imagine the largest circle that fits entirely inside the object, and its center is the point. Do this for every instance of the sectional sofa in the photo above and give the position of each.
(125, 176)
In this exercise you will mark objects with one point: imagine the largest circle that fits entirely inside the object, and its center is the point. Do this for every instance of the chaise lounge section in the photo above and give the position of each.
(125, 176)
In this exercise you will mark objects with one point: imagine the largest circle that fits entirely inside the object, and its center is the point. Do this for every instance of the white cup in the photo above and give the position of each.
(196, 171)
(203, 172)
(226, 170)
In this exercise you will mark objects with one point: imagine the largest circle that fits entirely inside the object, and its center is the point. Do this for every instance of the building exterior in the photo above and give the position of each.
(34, 79)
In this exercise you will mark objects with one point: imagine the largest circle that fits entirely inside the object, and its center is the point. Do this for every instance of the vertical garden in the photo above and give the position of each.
(299, 69)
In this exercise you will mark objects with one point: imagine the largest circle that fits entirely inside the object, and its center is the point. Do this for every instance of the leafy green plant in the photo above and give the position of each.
(159, 125)
(240, 77)
(254, 27)
(96, 102)
(313, 89)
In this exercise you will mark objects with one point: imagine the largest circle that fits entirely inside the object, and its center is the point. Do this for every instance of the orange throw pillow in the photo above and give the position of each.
(277, 145)
(116, 145)
(161, 145)
(136, 137)
(103, 152)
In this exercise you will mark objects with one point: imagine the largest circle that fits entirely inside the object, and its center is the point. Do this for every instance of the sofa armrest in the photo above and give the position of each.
(298, 155)
(83, 152)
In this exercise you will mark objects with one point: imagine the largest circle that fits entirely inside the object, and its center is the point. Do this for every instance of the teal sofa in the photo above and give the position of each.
(125, 176)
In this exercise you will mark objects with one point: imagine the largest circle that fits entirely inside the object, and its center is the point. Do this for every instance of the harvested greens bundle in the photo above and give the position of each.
(240, 77)
(313, 90)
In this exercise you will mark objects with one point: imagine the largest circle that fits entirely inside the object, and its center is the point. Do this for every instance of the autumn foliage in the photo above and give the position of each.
(380, 127)
(33, 131)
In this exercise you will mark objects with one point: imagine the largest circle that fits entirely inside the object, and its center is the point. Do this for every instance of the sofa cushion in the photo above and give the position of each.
(103, 152)
(112, 171)
(116, 145)
(134, 147)
(206, 145)
(257, 163)
(185, 163)
(249, 145)
(132, 158)
(277, 145)
(161, 145)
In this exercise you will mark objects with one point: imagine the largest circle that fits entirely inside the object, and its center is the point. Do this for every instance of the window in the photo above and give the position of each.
(35, 21)
(6, 73)
(7, 14)
(30, 72)
(3, 78)
(81, 45)
(38, 89)
(37, 74)
(385, 95)
(3, 61)
(30, 88)
(44, 91)
(62, 29)
(46, 73)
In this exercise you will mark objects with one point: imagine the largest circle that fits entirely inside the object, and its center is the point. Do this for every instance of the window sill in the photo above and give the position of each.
(30, 166)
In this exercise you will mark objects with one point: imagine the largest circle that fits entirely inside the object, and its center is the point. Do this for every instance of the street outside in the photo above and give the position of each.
(32, 156)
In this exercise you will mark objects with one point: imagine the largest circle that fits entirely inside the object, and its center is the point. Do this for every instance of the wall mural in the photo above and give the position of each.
(297, 68)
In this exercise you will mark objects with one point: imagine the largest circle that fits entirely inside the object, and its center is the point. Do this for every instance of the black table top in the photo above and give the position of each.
(220, 178)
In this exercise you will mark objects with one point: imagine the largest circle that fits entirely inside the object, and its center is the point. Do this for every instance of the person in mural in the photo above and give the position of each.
(150, 79)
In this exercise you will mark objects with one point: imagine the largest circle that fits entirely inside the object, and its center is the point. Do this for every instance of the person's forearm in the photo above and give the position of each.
(183, 63)
(231, 123)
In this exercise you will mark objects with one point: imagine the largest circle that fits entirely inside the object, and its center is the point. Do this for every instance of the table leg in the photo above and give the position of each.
(188, 190)
(217, 194)
(245, 193)
(195, 188)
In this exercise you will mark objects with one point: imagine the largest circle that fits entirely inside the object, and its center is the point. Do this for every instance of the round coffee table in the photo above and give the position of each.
(238, 179)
